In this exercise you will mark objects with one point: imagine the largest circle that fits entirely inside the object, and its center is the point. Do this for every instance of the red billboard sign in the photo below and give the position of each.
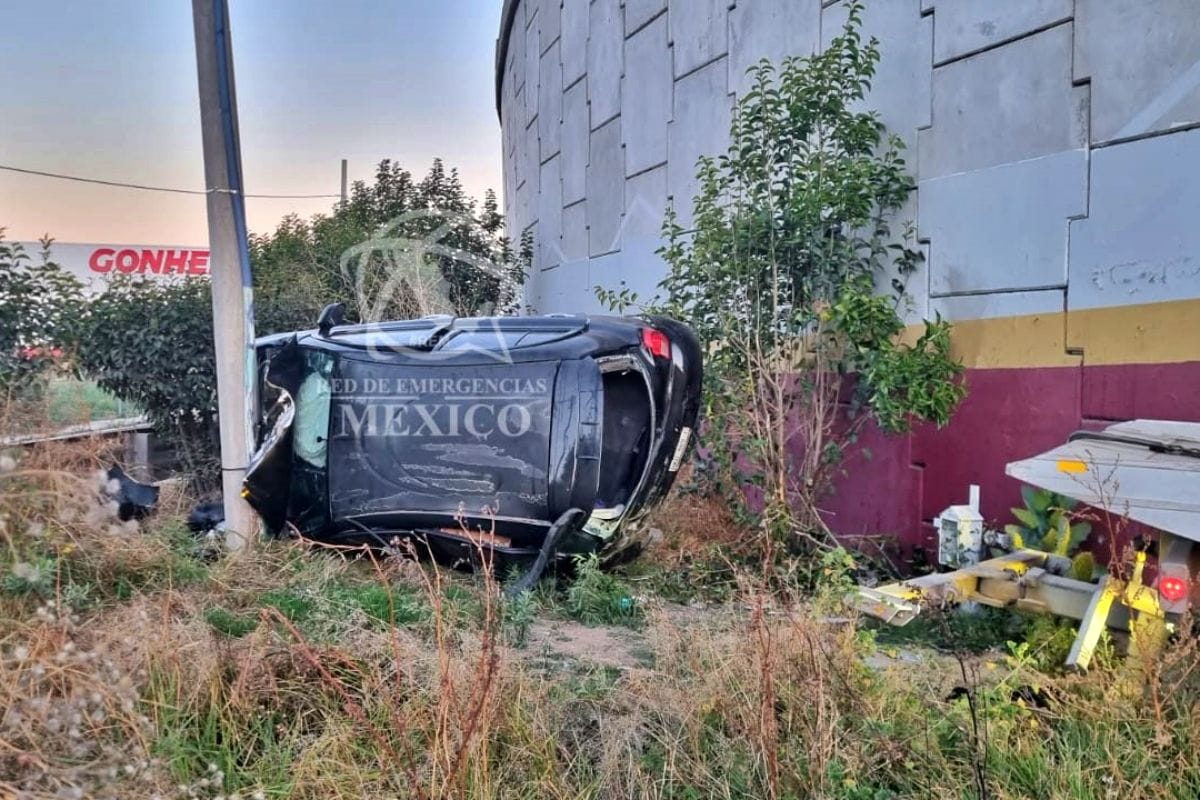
(152, 261)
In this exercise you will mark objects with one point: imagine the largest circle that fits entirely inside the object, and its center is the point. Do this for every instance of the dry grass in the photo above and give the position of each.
(128, 689)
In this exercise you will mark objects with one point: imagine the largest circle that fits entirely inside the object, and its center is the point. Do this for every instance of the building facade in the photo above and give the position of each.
(1056, 149)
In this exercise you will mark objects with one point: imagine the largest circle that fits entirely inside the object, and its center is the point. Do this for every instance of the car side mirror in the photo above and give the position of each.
(331, 315)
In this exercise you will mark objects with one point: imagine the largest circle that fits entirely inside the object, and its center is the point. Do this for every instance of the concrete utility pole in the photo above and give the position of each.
(345, 185)
(229, 262)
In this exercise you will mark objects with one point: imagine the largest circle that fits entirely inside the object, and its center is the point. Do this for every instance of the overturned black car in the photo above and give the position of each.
(529, 436)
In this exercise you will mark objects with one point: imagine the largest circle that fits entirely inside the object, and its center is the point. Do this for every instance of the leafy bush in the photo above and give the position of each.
(152, 345)
(41, 306)
(597, 597)
(1046, 523)
(792, 236)
(518, 614)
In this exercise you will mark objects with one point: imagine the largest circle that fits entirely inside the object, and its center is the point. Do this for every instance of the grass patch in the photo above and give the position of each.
(326, 610)
(227, 622)
(596, 597)
(69, 400)
(956, 631)
(130, 696)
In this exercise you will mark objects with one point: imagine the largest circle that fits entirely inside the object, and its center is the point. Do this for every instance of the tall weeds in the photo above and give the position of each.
(133, 694)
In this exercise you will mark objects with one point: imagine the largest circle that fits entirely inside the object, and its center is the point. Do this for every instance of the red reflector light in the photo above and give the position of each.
(1172, 589)
(656, 342)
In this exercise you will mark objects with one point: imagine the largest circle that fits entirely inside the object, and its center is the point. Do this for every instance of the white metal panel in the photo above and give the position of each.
(1155, 488)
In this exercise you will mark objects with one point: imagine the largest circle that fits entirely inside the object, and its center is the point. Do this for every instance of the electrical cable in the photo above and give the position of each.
(146, 188)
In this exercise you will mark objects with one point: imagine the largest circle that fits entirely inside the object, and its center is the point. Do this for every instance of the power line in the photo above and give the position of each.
(173, 190)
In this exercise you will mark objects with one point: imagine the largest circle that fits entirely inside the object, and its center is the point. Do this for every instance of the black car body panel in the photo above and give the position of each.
(470, 430)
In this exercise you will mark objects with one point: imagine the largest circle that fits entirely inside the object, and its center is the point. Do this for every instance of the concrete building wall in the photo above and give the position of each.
(1056, 148)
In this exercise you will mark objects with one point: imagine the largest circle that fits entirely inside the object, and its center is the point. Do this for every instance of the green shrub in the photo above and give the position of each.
(518, 615)
(41, 308)
(1046, 525)
(778, 275)
(597, 597)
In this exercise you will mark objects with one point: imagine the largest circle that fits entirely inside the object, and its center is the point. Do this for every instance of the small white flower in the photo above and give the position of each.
(7, 463)
(20, 652)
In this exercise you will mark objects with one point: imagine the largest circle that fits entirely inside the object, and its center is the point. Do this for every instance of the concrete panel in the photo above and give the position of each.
(533, 67)
(1140, 242)
(524, 157)
(566, 289)
(639, 12)
(914, 306)
(602, 271)
(550, 103)
(522, 206)
(964, 26)
(606, 36)
(1005, 227)
(699, 32)
(574, 143)
(574, 232)
(1008, 104)
(900, 90)
(773, 29)
(700, 126)
(574, 39)
(1143, 57)
(1004, 304)
(510, 190)
(613, 271)
(548, 245)
(641, 268)
(516, 50)
(507, 130)
(646, 97)
(645, 206)
(550, 20)
(605, 189)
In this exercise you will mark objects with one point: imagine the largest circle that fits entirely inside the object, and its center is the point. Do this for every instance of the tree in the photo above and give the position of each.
(791, 239)
(397, 248)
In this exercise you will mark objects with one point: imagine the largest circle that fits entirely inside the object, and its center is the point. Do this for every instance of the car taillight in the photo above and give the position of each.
(1172, 589)
(656, 342)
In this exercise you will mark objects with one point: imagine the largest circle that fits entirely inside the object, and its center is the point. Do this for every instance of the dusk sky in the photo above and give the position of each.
(107, 89)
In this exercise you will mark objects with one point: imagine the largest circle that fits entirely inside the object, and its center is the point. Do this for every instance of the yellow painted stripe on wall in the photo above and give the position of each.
(1152, 333)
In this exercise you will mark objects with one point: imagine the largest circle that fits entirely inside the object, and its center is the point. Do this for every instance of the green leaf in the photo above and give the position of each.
(1042, 500)
(1029, 495)
(1029, 518)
